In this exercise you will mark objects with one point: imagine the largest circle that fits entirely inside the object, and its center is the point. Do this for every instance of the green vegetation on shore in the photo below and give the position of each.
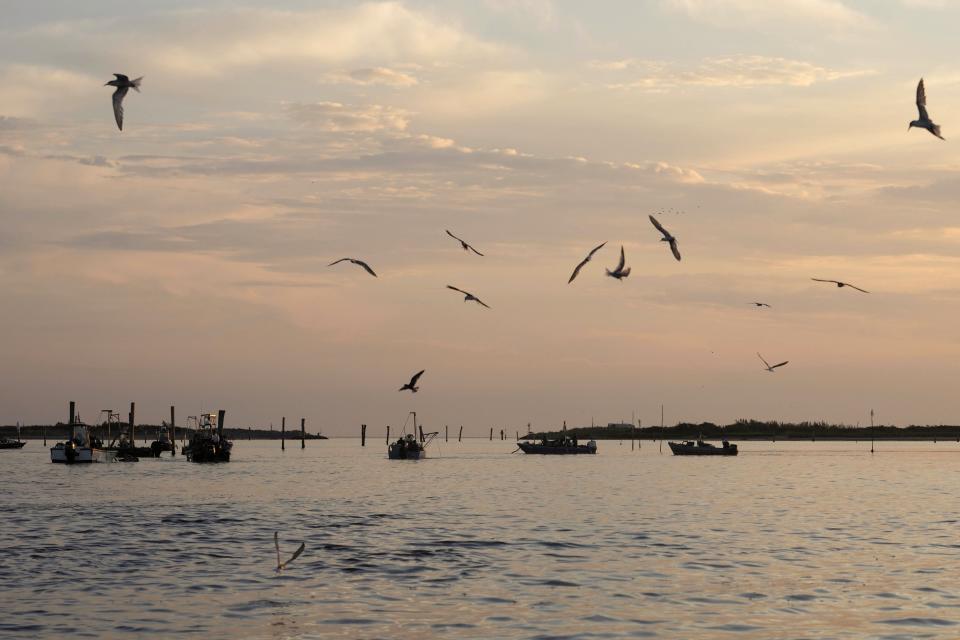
(758, 430)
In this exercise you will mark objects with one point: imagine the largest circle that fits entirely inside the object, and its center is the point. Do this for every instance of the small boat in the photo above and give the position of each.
(407, 447)
(123, 443)
(701, 448)
(207, 443)
(164, 442)
(562, 446)
(7, 443)
(82, 447)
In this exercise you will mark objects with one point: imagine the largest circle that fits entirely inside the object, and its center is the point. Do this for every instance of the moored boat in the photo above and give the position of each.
(561, 446)
(207, 443)
(7, 443)
(82, 447)
(407, 447)
(701, 448)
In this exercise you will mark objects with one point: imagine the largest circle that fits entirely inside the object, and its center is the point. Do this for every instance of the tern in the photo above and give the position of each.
(412, 385)
(771, 369)
(123, 84)
(924, 121)
(585, 261)
(760, 304)
(667, 237)
(620, 273)
(296, 554)
(356, 262)
(469, 296)
(840, 284)
(463, 243)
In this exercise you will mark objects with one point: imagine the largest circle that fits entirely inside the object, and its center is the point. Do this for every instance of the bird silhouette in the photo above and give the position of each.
(840, 284)
(620, 273)
(296, 554)
(770, 368)
(463, 243)
(760, 304)
(360, 263)
(924, 121)
(412, 385)
(123, 84)
(469, 296)
(667, 237)
(585, 261)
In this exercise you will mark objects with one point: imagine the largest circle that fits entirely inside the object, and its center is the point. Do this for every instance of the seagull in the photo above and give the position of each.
(620, 273)
(585, 261)
(924, 121)
(356, 262)
(760, 304)
(296, 554)
(840, 284)
(767, 364)
(412, 385)
(123, 84)
(469, 296)
(466, 246)
(666, 237)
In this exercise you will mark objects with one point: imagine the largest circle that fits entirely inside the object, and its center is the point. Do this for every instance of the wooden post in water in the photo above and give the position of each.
(303, 433)
(363, 435)
(422, 439)
(43, 430)
(502, 435)
(460, 437)
(249, 437)
(173, 431)
(518, 436)
(388, 434)
(221, 416)
(133, 419)
(283, 434)
(446, 433)
(73, 414)
(491, 434)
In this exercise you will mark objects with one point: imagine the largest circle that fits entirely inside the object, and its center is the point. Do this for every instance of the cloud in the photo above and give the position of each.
(828, 14)
(25, 89)
(337, 117)
(744, 71)
(374, 76)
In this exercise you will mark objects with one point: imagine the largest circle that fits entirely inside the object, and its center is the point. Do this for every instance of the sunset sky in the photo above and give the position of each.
(184, 260)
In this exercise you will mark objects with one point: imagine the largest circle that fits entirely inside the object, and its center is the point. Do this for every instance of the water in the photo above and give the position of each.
(789, 540)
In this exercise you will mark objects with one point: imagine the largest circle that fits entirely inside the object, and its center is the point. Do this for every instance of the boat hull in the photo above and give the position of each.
(12, 445)
(556, 450)
(81, 455)
(680, 449)
(394, 453)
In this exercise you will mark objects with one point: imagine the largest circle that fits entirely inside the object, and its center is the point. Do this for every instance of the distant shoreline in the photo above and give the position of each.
(150, 431)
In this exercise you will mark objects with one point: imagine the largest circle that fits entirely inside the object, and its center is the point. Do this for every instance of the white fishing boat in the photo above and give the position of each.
(82, 447)
(407, 447)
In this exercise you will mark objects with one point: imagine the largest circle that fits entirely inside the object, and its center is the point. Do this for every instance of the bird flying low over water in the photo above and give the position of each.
(360, 263)
(667, 237)
(760, 304)
(463, 243)
(840, 284)
(123, 84)
(620, 272)
(296, 554)
(771, 369)
(469, 296)
(412, 385)
(585, 261)
(924, 121)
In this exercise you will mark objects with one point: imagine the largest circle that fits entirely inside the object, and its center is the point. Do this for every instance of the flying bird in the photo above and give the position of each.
(924, 121)
(760, 304)
(585, 261)
(463, 243)
(412, 385)
(620, 273)
(123, 84)
(296, 554)
(840, 284)
(469, 296)
(767, 364)
(667, 237)
(356, 262)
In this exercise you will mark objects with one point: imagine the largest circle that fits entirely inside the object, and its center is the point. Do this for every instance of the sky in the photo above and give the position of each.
(183, 261)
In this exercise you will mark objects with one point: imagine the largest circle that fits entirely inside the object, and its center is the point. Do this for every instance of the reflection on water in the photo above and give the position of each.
(810, 540)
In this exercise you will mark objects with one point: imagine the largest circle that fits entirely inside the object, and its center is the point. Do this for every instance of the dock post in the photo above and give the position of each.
(363, 435)
(220, 420)
(388, 434)
(491, 434)
(43, 430)
(303, 433)
(502, 436)
(173, 432)
(460, 437)
(249, 436)
(518, 436)
(133, 417)
(73, 414)
(422, 439)
(446, 433)
(283, 434)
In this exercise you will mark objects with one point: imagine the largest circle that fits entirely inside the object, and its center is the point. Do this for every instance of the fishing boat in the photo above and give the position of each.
(82, 447)
(561, 446)
(207, 443)
(407, 447)
(7, 443)
(164, 441)
(123, 443)
(701, 448)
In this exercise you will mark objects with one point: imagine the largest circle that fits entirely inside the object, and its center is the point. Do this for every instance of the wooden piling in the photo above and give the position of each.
(388, 434)
(73, 416)
(446, 433)
(221, 415)
(491, 434)
(502, 435)
(173, 431)
(249, 432)
(460, 437)
(43, 430)
(133, 418)
(303, 433)
(283, 434)
(422, 439)
(363, 435)
(518, 436)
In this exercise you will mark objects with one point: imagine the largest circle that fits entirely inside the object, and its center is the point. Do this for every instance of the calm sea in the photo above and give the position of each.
(788, 540)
